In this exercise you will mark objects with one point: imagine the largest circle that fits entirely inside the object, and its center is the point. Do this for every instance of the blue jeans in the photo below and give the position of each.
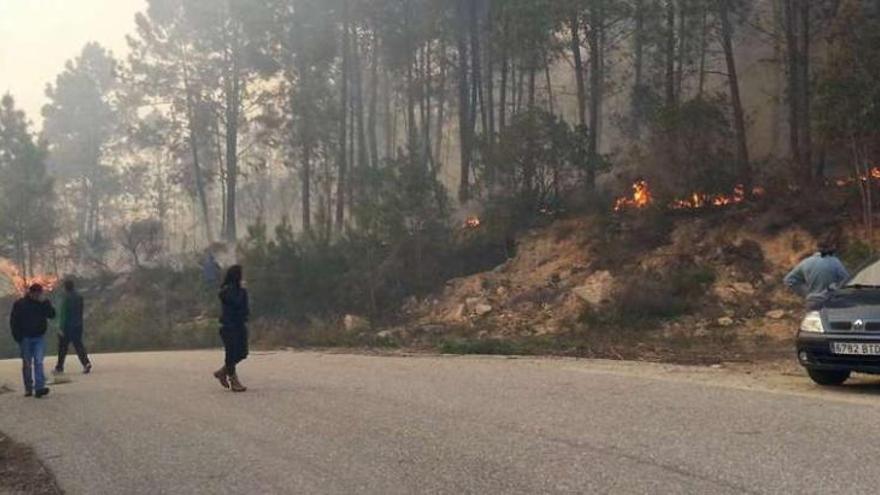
(32, 351)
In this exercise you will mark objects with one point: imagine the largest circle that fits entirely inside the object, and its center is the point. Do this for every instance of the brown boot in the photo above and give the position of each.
(235, 384)
(221, 375)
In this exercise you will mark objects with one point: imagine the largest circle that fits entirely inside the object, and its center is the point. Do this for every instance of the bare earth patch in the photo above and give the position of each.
(21, 472)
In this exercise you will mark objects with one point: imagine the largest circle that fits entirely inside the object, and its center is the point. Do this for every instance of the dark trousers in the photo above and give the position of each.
(64, 342)
(235, 346)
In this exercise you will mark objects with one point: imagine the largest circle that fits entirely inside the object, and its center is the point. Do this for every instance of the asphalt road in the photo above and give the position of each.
(331, 423)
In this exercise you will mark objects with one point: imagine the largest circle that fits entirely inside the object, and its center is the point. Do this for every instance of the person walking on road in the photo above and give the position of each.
(233, 328)
(28, 322)
(815, 275)
(71, 325)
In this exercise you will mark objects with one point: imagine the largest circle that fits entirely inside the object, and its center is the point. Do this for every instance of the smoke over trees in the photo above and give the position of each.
(358, 121)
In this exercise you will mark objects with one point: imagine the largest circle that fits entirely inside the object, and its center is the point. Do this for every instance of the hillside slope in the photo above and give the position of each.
(628, 286)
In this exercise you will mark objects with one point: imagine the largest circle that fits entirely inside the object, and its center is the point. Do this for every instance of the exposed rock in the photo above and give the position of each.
(744, 288)
(482, 309)
(385, 334)
(725, 293)
(458, 313)
(502, 267)
(596, 288)
(410, 304)
(472, 302)
(354, 323)
(725, 321)
(734, 291)
(776, 314)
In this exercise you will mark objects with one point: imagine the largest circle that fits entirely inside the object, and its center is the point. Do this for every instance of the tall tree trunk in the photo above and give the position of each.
(441, 103)
(515, 98)
(344, 97)
(806, 90)
(464, 109)
(373, 103)
(505, 69)
(639, 42)
(603, 42)
(426, 104)
(574, 26)
(520, 87)
(778, 115)
(233, 110)
(683, 46)
(548, 80)
(363, 148)
(412, 132)
(670, 53)
(637, 102)
(533, 70)
(476, 63)
(194, 149)
(742, 150)
(389, 127)
(306, 184)
(490, 68)
(704, 44)
(792, 72)
(595, 97)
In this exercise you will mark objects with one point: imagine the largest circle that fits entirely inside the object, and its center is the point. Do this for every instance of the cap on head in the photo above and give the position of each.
(69, 285)
(35, 289)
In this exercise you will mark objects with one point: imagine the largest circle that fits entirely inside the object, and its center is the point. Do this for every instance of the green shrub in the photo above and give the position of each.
(482, 346)
(856, 253)
(647, 296)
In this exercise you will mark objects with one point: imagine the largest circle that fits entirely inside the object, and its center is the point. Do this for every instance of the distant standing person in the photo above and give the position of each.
(233, 328)
(211, 270)
(71, 324)
(815, 275)
(28, 322)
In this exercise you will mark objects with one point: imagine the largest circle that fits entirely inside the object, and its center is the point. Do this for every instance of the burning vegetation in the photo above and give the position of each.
(472, 222)
(20, 282)
(642, 197)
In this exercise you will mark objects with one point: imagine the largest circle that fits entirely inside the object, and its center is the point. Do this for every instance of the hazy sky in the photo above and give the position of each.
(38, 36)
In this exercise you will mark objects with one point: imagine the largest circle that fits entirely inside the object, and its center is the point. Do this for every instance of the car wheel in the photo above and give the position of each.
(828, 377)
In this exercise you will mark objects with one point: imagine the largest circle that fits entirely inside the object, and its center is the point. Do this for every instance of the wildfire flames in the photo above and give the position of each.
(21, 283)
(642, 197)
(874, 174)
(472, 222)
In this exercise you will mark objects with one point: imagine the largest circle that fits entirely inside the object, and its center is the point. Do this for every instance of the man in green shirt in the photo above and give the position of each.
(71, 324)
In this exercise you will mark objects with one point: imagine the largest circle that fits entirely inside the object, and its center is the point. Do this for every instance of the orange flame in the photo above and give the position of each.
(472, 222)
(21, 283)
(642, 197)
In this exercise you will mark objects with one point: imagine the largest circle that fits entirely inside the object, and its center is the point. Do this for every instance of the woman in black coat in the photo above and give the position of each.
(233, 329)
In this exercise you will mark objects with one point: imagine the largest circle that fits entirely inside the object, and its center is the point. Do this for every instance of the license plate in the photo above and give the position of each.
(854, 348)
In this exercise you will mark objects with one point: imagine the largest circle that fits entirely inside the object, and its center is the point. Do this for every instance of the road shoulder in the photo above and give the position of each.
(21, 471)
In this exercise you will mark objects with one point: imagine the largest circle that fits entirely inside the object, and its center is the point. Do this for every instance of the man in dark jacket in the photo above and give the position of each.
(29, 321)
(71, 324)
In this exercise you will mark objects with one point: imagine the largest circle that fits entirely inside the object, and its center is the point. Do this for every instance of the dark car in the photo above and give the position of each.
(843, 336)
